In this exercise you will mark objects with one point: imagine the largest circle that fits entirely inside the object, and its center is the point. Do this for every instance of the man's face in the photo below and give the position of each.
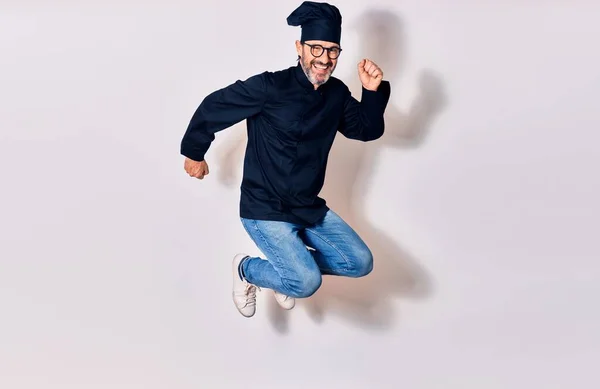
(318, 68)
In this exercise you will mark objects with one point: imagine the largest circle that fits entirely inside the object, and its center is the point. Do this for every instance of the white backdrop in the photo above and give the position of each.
(480, 203)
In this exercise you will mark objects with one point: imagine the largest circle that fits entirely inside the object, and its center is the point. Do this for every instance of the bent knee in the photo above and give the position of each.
(362, 262)
(305, 286)
(310, 283)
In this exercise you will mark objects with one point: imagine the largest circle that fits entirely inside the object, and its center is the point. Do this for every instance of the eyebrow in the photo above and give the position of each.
(327, 47)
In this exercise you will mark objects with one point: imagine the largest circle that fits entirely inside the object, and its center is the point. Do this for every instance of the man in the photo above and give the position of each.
(293, 116)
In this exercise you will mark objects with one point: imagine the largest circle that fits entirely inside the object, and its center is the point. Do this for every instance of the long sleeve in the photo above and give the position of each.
(220, 110)
(364, 120)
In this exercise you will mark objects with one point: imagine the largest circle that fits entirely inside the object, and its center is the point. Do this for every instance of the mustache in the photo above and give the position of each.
(318, 62)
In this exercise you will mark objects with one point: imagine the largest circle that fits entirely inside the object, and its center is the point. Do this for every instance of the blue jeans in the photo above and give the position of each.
(295, 270)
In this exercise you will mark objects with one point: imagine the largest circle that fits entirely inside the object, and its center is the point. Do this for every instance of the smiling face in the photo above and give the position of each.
(316, 62)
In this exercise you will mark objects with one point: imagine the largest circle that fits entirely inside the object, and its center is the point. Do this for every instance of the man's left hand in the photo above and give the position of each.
(370, 74)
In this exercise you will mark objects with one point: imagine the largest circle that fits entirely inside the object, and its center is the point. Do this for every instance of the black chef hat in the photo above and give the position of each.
(319, 21)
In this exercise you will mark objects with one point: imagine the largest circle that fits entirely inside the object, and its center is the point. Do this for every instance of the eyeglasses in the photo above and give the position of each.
(317, 51)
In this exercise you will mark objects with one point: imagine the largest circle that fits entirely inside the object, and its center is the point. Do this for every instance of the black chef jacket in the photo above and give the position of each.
(291, 128)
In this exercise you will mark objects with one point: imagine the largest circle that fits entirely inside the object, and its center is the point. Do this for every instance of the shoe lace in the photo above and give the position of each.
(250, 294)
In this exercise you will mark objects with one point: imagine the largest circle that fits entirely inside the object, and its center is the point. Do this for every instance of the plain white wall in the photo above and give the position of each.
(480, 203)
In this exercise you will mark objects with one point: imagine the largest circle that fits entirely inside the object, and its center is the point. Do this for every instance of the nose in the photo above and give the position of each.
(325, 59)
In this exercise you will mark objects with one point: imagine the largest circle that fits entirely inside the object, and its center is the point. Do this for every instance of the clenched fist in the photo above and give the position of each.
(370, 74)
(195, 168)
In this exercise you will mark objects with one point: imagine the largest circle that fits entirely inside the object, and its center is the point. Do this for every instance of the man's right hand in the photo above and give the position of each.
(195, 168)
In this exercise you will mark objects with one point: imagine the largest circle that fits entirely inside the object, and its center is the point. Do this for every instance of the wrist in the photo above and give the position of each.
(371, 88)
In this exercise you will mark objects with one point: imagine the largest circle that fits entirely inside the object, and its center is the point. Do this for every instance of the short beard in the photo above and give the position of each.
(307, 67)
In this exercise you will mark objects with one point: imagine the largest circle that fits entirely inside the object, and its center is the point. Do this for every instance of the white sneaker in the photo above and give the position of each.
(286, 302)
(244, 293)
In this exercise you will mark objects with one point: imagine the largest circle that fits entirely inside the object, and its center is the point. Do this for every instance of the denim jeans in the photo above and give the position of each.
(298, 256)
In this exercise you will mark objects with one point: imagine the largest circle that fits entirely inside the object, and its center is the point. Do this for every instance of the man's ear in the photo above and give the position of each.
(299, 48)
